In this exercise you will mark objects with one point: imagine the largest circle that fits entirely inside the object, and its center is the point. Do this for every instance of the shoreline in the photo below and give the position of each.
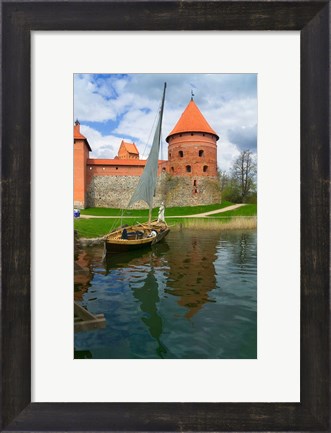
(239, 223)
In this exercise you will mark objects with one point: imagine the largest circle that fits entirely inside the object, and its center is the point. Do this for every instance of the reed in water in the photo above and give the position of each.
(243, 223)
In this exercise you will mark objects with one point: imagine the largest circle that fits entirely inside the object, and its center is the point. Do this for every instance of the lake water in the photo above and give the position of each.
(191, 296)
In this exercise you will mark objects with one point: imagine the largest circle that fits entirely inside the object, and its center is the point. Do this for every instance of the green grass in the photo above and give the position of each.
(92, 228)
(96, 227)
(192, 210)
(103, 211)
(171, 211)
(247, 210)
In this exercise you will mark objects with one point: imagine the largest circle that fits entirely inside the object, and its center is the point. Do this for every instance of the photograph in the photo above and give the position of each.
(165, 216)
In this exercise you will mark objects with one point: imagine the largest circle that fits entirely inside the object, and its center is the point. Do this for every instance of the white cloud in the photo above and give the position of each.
(102, 146)
(228, 102)
(89, 103)
(227, 152)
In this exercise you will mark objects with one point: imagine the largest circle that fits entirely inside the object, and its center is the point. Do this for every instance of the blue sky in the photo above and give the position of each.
(112, 107)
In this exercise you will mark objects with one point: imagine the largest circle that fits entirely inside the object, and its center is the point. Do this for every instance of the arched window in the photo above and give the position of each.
(188, 169)
(201, 153)
(194, 182)
(172, 170)
(205, 168)
(181, 153)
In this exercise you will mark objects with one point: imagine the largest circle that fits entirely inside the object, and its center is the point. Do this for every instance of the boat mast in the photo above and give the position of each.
(160, 120)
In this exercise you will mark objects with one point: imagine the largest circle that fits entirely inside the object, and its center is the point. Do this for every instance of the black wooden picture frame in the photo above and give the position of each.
(312, 18)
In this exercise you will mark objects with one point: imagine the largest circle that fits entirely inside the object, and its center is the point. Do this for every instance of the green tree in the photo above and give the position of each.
(229, 188)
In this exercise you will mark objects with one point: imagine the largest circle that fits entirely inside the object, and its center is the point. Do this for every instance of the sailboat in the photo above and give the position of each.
(143, 234)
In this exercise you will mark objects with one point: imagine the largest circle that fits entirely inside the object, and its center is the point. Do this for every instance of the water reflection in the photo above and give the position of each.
(148, 298)
(192, 273)
(146, 292)
(82, 274)
(243, 249)
(193, 296)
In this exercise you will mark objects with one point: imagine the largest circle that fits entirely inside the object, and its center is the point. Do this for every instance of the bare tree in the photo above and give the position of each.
(223, 179)
(244, 173)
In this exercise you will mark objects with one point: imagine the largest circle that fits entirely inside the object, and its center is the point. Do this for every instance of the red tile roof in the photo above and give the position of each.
(192, 120)
(78, 135)
(130, 147)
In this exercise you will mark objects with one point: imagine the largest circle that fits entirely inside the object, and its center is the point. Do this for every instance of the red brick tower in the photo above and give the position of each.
(192, 145)
(81, 154)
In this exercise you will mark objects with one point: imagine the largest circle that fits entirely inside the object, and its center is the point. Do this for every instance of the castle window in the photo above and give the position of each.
(116, 168)
(172, 170)
(205, 168)
(163, 169)
(169, 154)
(201, 153)
(194, 183)
(192, 133)
(188, 169)
(181, 153)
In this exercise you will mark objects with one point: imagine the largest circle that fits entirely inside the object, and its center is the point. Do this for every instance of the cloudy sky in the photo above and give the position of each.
(115, 107)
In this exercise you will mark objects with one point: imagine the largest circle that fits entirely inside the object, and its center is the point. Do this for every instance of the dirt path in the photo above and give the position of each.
(202, 215)
(213, 212)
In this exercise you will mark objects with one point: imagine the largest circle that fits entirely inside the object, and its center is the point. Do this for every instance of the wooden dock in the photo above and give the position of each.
(86, 321)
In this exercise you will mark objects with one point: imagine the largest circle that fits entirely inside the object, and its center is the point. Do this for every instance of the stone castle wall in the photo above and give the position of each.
(116, 191)
(185, 191)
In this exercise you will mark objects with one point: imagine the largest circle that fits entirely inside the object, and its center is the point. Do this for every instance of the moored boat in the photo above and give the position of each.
(137, 236)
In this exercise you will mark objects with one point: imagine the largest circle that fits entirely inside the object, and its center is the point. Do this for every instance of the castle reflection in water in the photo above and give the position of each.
(155, 297)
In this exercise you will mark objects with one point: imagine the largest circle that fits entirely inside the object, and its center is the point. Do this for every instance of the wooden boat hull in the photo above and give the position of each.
(116, 244)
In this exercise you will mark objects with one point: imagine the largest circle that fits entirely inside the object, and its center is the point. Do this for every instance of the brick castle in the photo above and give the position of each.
(187, 178)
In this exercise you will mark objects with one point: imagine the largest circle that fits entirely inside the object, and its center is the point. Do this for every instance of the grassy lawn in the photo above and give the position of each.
(171, 211)
(247, 210)
(96, 227)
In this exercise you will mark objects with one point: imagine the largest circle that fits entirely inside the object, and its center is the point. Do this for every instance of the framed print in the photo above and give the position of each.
(123, 412)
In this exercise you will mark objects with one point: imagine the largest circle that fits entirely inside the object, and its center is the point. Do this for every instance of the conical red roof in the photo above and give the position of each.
(192, 120)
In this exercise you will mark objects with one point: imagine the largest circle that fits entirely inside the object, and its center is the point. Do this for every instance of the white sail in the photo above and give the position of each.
(147, 182)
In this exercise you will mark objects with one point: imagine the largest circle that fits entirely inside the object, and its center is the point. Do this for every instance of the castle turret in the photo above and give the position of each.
(81, 154)
(192, 145)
